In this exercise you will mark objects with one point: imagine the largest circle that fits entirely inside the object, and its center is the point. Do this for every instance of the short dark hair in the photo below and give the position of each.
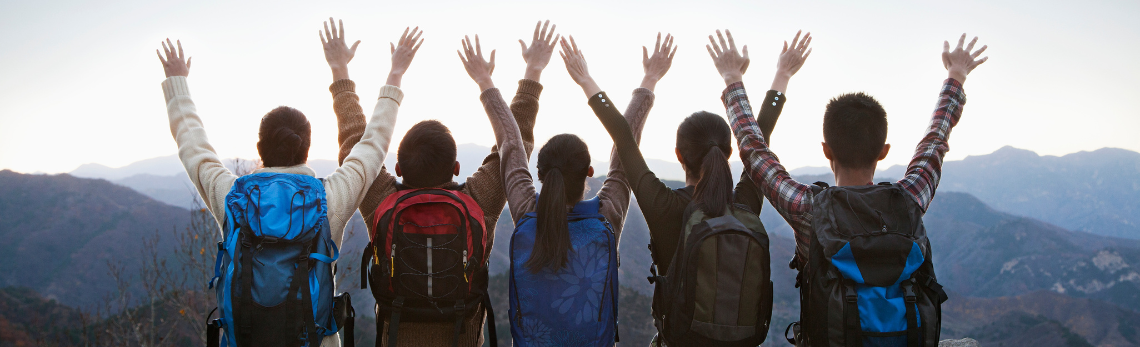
(855, 127)
(283, 138)
(427, 155)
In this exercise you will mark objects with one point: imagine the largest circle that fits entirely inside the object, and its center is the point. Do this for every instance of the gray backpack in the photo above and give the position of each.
(718, 288)
(868, 279)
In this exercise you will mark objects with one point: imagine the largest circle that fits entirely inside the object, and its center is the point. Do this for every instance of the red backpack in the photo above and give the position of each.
(426, 260)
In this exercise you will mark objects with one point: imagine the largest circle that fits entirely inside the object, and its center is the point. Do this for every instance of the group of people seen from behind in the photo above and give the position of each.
(865, 275)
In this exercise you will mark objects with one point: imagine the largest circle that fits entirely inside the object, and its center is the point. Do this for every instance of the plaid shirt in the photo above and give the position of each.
(794, 199)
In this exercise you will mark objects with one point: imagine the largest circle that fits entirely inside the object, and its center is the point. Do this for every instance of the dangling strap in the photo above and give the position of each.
(292, 311)
(212, 329)
(853, 331)
(218, 264)
(929, 282)
(394, 322)
(913, 335)
(492, 333)
(791, 340)
(309, 329)
(364, 259)
(460, 328)
(245, 330)
(348, 331)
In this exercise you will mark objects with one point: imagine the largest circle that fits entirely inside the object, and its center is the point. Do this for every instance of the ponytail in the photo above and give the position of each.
(552, 239)
(704, 142)
(714, 188)
(562, 166)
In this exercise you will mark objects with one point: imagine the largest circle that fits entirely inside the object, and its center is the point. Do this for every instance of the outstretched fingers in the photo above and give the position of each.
(478, 47)
(731, 42)
(404, 36)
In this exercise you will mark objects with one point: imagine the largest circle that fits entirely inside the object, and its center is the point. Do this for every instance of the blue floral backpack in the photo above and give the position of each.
(575, 305)
(274, 273)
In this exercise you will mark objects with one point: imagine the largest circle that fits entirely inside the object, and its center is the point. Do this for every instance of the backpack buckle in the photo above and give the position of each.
(908, 292)
(269, 239)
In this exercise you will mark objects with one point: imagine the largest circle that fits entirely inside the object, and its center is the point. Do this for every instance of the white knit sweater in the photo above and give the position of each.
(344, 189)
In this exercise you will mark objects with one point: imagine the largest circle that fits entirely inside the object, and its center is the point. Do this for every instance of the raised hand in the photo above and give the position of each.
(791, 60)
(337, 53)
(479, 69)
(960, 62)
(730, 63)
(540, 50)
(402, 54)
(576, 66)
(175, 63)
(658, 64)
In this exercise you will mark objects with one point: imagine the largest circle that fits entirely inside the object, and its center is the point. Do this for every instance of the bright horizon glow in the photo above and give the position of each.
(82, 83)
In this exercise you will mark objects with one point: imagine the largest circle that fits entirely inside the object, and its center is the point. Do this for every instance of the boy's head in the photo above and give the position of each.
(426, 157)
(855, 131)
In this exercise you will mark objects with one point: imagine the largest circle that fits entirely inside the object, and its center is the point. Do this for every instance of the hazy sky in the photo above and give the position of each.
(80, 83)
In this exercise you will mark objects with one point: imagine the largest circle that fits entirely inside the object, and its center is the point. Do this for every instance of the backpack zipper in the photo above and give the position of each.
(465, 266)
(392, 263)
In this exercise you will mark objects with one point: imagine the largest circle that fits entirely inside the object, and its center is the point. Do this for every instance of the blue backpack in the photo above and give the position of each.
(274, 271)
(575, 305)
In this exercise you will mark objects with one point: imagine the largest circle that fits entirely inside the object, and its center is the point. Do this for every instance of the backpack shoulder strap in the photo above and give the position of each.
(684, 193)
(818, 187)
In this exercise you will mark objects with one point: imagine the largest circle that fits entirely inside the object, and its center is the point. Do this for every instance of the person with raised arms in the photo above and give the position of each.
(426, 159)
(280, 217)
(563, 275)
(866, 276)
(704, 143)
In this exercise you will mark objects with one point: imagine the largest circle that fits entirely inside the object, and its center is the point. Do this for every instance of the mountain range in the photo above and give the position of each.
(1093, 191)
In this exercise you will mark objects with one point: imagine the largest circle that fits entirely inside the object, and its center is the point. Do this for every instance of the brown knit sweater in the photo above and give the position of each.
(485, 186)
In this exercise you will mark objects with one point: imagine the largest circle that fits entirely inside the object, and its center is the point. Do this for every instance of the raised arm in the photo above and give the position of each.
(653, 196)
(513, 157)
(792, 199)
(210, 177)
(352, 180)
(349, 115)
(615, 191)
(486, 184)
(925, 169)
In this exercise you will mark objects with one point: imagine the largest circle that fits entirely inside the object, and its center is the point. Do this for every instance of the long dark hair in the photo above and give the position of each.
(283, 139)
(563, 163)
(705, 142)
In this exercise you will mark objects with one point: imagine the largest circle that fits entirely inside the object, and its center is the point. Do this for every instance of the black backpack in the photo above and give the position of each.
(868, 279)
(718, 288)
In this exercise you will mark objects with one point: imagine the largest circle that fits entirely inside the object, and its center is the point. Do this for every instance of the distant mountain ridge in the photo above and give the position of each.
(1095, 191)
(59, 232)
